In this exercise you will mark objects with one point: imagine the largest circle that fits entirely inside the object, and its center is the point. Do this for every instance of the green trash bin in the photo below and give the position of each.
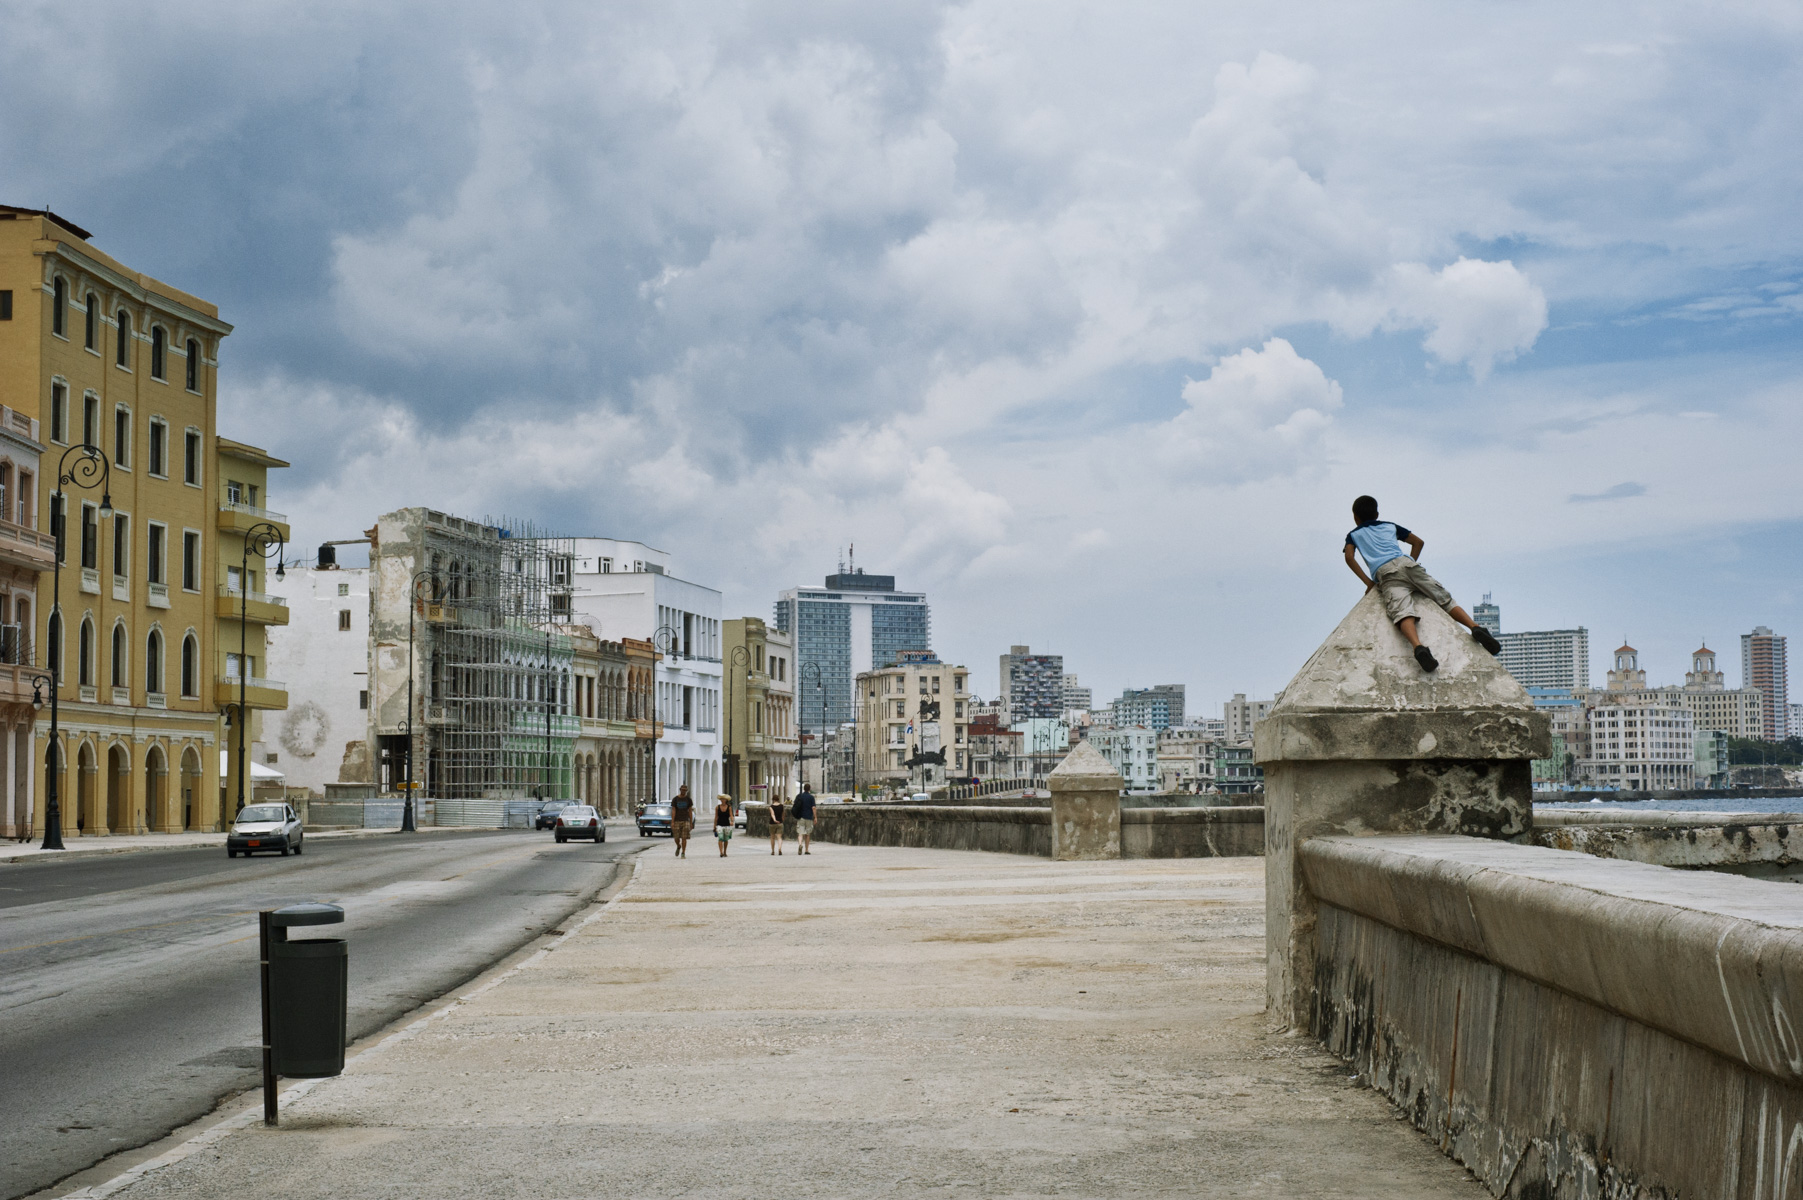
(309, 993)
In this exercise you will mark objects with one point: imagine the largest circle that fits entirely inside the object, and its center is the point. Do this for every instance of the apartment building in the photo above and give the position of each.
(913, 722)
(853, 624)
(26, 553)
(102, 355)
(1764, 665)
(1133, 751)
(1031, 685)
(760, 711)
(1239, 715)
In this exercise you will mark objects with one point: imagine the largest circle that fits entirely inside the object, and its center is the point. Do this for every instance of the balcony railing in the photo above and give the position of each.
(15, 646)
(228, 592)
(251, 510)
(274, 685)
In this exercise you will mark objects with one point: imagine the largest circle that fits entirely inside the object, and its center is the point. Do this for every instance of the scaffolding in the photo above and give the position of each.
(498, 716)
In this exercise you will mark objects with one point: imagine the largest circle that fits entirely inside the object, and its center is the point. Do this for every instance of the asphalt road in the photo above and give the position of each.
(128, 982)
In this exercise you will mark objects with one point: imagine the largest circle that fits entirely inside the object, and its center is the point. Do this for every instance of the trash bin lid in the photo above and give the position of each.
(307, 914)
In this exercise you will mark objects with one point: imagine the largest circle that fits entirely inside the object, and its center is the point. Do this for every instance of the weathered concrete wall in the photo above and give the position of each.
(1363, 741)
(1086, 806)
(1145, 832)
(1215, 832)
(1563, 1025)
(1716, 841)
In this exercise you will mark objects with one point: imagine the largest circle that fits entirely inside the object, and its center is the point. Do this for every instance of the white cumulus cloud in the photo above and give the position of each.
(1260, 413)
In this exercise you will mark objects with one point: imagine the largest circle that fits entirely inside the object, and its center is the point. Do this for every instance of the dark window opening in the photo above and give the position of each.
(122, 354)
(193, 365)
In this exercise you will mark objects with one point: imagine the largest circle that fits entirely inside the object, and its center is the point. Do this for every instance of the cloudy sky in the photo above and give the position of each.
(1090, 320)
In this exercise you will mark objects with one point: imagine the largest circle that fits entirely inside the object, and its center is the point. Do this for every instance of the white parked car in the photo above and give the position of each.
(264, 828)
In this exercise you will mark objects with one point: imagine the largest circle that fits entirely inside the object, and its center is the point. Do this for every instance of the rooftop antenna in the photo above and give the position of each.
(851, 560)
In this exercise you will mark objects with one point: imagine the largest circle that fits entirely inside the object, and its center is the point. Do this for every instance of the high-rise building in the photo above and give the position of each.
(1032, 685)
(1763, 666)
(1554, 658)
(1157, 708)
(1239, 715)
(856, 623)
(1076, 696)
(1488, 615)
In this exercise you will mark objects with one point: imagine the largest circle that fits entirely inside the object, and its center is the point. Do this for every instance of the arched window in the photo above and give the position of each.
(153, 662)
(123, 353)
(85, 655)
(190, 666)
(53, 649)
(120, 679)
(93, 338)
(159, 345)
(193, 365)
(59, 310)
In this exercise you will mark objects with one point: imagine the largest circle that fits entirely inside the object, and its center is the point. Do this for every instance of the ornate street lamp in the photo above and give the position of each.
(407, 816)
(263, 537)
(739, 656)
(90, 469)
(801, 725)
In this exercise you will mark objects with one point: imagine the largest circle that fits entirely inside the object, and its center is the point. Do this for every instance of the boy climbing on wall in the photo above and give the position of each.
(1400, 579)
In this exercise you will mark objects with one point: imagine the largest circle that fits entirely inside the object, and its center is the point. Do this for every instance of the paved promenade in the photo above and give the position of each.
(859, 1022)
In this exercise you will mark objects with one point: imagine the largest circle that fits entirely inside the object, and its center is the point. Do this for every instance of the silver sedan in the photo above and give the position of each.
(264, 827)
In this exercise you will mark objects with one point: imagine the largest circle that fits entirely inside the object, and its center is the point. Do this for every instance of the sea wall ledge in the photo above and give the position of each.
(1217, 832)
(1712, 959)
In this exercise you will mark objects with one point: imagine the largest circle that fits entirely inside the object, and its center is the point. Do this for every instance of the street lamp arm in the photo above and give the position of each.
(89, 470)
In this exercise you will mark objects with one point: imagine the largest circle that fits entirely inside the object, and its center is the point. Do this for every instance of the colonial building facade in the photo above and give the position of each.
(101, 355)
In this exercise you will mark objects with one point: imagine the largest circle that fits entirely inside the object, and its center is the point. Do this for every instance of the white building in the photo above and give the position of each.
(1637, 744)
(1555, 658)
(1133, 752)
(624, 589)
(323, 654)
(1186, 759)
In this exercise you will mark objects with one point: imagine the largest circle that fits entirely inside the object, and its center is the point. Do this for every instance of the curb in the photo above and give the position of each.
(253, 1113)
(96, 851)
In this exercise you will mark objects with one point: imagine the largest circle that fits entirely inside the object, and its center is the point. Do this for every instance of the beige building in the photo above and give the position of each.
(1639, 744)
(1241, 714)
(759, 699)
(250, 542)
(613, 763)
(98, 353)
(1186, 760)
(916, 708)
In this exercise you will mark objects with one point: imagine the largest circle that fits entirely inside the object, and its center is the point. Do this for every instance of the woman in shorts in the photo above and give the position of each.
(723, 821)
(778, 810)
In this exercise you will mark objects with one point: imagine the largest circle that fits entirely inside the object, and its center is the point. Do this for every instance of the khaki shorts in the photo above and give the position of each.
(803, 827)
(682, 829)
(1401, 580)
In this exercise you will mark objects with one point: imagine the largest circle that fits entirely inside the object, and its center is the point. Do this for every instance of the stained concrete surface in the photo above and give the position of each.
(864, 1021)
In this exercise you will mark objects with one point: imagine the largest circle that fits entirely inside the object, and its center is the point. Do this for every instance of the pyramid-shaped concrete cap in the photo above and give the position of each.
(1083, 770)
(1363, 695)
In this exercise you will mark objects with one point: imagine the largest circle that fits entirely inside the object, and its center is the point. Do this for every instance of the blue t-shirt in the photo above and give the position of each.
(1378, 542)
(804, 807)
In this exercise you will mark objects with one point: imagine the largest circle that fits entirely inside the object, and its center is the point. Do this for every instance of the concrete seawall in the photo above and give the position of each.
(1563, 1025)
(1145, 832)
(1717, 841)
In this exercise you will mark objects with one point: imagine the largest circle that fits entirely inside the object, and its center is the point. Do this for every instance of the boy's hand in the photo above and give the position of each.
(1352, 563)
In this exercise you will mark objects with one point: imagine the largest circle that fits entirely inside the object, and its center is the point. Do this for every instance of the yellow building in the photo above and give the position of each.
(760, 710)
(245, 606)
(98, 353)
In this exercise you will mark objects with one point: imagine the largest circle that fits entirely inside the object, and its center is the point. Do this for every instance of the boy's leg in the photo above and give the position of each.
(1408, 628)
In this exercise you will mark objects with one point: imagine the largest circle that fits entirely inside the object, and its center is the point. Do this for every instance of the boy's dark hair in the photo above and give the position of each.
(1364, 510)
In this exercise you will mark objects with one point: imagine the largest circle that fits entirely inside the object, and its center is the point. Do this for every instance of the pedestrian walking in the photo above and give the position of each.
(778, 810)
(682, 820)
(723, 821)
(804, 821)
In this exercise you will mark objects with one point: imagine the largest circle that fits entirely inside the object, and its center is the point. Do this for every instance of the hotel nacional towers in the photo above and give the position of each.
(94, 352)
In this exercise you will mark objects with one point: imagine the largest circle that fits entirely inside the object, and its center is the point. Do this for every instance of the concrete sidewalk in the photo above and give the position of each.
(859, 1022)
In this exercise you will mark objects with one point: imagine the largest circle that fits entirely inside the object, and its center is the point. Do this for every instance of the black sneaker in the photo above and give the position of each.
(1425, 657)
(1486, 639)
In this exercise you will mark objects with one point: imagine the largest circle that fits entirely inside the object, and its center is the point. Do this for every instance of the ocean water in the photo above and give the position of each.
(1732, 804)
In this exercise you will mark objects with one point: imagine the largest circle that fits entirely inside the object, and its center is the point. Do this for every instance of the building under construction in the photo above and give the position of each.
(466, 612)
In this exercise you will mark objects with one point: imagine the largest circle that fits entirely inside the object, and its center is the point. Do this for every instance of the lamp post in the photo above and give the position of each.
(408, 824)
(264, 537)
(664, 639)
(90, 469)
(801, 726)
(740, 655)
